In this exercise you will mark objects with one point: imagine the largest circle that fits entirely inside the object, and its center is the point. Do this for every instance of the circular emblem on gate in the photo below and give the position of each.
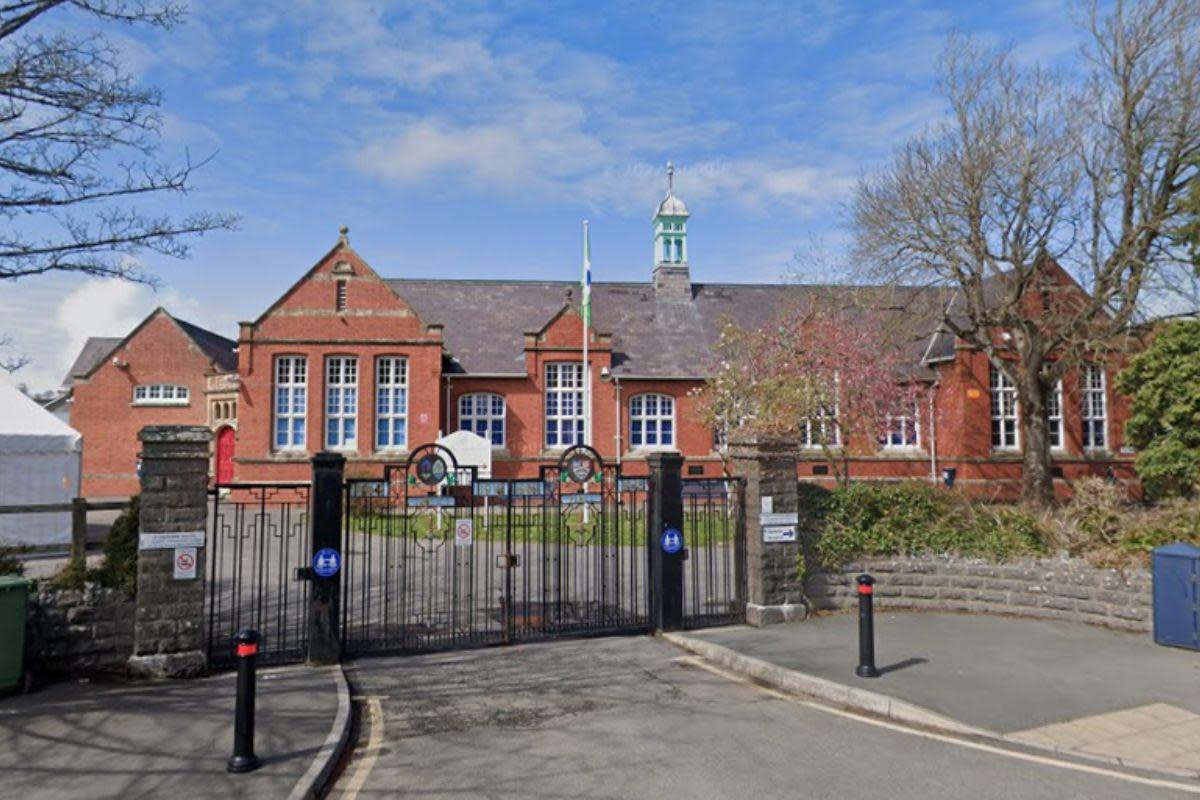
(580, 467)
(431, 469)
(579, 464)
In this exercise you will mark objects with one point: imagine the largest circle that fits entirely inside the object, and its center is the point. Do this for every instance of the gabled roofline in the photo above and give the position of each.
(343, 244)
(137, 329)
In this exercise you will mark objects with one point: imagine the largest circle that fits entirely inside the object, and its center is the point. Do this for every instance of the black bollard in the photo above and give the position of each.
(866, 628)
(243, 758)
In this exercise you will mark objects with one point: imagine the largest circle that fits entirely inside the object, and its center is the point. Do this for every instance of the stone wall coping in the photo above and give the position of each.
(175, 433)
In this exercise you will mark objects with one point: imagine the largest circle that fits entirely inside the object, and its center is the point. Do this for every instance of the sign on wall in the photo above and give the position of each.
(170, 541)
(185, 563)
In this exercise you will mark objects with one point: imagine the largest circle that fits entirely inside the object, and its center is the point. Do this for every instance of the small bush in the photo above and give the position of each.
(119, 569)
(911, 518)
(121, 551)
(10, 561)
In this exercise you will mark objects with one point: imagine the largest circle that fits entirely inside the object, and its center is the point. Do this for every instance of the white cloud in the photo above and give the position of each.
(49, 322)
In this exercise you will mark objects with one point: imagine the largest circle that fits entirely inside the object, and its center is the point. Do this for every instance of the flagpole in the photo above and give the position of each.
(587, 312)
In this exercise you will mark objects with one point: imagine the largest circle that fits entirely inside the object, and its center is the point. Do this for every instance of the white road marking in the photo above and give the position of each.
(371, 753)
(940, 737)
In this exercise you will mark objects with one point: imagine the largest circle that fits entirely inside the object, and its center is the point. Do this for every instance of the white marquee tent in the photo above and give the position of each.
(40, 462)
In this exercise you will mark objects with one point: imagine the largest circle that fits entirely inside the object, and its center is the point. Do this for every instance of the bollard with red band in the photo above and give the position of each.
(866, 628)
(243, 758)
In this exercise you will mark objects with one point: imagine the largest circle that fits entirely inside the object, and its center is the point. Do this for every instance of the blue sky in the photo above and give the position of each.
(469, 140)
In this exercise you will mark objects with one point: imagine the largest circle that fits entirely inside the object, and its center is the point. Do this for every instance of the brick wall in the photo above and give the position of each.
(306, 322)
(1046, 588)
(103, 411)
(79, 631)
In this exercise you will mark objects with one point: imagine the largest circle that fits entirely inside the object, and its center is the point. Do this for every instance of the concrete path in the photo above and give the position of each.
(1067, 686)
(88, 740)
(633, 717)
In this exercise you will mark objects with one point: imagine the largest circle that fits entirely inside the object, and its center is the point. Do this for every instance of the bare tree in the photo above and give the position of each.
(79, 143)
(10, 362)
(1033, 171)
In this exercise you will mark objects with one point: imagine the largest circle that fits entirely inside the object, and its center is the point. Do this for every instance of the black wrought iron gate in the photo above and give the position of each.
(435, 557)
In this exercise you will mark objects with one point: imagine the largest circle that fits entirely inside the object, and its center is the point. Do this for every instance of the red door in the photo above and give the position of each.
(225, 455)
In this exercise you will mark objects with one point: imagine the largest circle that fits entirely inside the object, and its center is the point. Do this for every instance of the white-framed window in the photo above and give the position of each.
(1054, 418)
(291, 401)
(651, 420)
(482, 413)
(564, 404)
(161, 394)
(391, 403)
(1004, 411)
(1095, 407)
(341, 402)
(903, 431)
(821, 430)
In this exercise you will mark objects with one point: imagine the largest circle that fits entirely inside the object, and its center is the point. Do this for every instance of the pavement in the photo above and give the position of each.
(635, 717)
(171, 739)
(1103, 694)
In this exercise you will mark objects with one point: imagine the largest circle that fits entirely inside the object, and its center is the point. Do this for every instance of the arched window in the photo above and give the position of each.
(483, 414)
(651, 420)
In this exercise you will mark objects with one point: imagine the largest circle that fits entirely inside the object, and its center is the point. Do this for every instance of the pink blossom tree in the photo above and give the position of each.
(823, 378)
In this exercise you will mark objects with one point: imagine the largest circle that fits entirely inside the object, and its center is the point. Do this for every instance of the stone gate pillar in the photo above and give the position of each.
(168, 627)
(774, 590)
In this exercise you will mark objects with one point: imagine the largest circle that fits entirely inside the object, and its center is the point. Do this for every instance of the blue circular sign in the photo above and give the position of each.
(672, 540)
(326, 562)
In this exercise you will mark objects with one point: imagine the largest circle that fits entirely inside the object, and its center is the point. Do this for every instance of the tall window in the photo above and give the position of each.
(341, 402)
(903, 431)
(482, 414)
(1054, 418)
(391, 403)
(291, 393)
(341, 296)
(821, 430)
(564, 404)
(1095, 408)
(1004, 411)
(651, 420)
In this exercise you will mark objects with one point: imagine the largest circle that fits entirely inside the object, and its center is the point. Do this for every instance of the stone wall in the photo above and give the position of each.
(1047, 588)
(79, 631)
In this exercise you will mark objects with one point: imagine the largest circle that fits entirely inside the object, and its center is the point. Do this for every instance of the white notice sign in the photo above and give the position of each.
(779, 533)
(464, 532)
(779, 519)
(170, 541)
(768, 503)
(185, 563)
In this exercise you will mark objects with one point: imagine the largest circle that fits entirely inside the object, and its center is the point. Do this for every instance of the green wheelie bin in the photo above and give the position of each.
(13, 597)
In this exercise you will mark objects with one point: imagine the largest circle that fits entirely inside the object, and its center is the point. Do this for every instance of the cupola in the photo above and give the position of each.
(671, 276)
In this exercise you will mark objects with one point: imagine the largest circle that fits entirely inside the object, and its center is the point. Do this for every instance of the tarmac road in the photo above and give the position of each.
(633, 717)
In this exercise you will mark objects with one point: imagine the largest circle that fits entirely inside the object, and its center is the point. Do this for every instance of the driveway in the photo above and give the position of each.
(635, 717)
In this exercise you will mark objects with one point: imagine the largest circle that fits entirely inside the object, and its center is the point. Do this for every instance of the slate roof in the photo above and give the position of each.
(485, 320)
(218, 349)
(95, 350)
(222, 351)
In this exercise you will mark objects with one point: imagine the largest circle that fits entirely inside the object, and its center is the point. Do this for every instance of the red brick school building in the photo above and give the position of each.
(372, 367)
